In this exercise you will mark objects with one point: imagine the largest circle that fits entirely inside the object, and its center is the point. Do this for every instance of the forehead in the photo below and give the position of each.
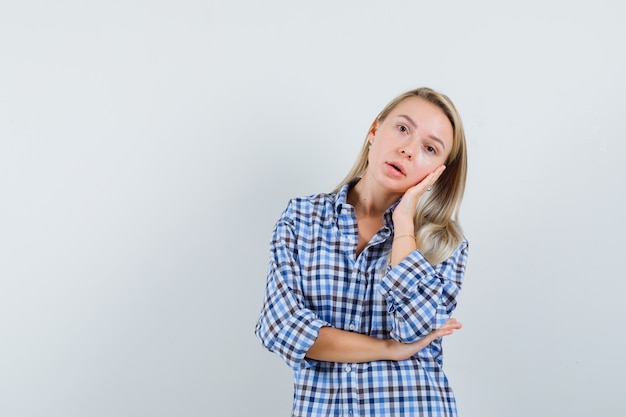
(420, 108)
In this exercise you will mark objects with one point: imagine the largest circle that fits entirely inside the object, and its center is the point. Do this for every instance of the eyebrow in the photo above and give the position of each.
(412, 123)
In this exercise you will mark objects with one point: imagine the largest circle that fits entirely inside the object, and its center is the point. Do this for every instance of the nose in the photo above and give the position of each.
(407, 152)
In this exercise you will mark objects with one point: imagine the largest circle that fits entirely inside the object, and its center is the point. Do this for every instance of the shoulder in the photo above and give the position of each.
(311, 201)
(310, 207)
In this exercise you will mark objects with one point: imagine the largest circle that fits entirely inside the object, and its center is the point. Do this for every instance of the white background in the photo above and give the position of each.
(148, 147)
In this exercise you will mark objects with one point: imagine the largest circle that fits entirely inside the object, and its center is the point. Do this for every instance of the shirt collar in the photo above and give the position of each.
(341, 198)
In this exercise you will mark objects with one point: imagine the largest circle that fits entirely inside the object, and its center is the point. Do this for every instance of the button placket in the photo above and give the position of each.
(352, 381)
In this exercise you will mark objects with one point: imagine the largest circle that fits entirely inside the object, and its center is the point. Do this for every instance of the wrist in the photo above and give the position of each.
(409, 237)
(404, 229)
(395, 351)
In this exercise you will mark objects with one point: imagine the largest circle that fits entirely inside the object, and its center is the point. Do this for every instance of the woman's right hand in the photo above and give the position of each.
(400, 351)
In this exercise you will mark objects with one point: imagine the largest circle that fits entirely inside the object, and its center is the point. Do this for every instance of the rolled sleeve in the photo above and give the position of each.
(421, 297)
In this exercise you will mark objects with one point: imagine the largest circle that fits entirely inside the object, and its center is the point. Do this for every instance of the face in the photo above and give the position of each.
(411, 142)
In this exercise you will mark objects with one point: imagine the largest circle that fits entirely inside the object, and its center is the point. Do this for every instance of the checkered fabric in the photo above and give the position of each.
(315, 280)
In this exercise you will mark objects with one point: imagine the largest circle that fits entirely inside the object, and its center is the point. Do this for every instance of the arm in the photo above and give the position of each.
(420, 296)
(334, 345)
(296, 333)
(285, 326)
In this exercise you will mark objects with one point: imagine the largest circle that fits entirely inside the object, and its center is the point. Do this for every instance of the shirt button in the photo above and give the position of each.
(348, 369)
(352, 326)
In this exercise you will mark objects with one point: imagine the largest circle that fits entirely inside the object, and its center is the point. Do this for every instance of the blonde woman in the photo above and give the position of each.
(362, 281)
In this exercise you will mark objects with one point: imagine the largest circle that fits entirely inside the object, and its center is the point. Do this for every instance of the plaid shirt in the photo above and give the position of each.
(315, 280)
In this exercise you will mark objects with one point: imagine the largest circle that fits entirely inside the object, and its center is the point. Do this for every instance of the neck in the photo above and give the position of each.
(369, 200)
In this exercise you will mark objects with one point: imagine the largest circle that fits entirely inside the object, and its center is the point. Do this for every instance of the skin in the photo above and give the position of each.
(407, 155)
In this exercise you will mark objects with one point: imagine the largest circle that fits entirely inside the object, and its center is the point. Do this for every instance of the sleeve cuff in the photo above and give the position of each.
(296, 338)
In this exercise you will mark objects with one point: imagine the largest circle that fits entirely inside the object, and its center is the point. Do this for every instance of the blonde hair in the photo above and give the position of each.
(437, 214)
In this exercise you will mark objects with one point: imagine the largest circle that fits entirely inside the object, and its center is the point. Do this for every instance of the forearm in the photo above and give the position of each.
(403, 244)
(334, 345)
(421, 296)
(404, 241)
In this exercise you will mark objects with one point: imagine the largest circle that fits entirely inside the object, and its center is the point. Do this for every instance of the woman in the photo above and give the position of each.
(362, 281)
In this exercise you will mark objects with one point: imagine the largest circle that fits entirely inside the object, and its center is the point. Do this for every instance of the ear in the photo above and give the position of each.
(372, 131)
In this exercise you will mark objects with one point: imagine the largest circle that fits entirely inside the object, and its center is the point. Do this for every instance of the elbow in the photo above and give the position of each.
(264, 335)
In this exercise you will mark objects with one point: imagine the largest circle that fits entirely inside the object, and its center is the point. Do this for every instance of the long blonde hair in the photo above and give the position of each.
(437, 214)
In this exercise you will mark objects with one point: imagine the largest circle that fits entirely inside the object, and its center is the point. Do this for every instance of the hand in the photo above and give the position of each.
(404, 212)
(401, 351)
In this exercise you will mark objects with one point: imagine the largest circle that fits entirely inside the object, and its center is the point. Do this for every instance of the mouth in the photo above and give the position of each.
(397, 167)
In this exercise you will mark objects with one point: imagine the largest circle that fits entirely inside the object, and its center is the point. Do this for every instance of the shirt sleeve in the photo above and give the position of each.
(285, 326)
(421, 297)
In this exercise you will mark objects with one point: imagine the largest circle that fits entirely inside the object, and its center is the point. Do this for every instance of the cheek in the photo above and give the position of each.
(373, 153)
(424, 166)
(419, 174)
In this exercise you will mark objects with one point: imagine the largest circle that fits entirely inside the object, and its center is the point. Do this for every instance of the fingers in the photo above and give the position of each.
(447, 329)
(436, 174)
(427, 183)
(404, 351)
(431, 178)
(453, 323)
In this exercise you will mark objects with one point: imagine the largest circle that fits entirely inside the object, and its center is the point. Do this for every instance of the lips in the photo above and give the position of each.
(396, 167)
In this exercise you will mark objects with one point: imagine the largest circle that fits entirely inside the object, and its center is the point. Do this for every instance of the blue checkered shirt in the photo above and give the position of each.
(315, 280)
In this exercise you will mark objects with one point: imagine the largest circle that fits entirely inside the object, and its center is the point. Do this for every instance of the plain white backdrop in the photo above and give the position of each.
(147, 148)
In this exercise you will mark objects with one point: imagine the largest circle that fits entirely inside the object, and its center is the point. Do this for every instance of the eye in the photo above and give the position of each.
(430, 149)
(403, 129)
